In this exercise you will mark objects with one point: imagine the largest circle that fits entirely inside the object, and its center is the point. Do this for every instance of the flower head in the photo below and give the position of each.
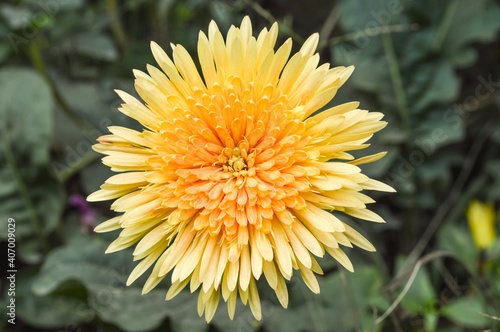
(233, 176)
(482, 220)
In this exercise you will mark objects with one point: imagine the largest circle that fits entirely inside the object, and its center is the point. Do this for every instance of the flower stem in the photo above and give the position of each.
(370, 32)
(271, 19)
(116, 25)
(83, 124)
(397, 84)
(442, 31)
(78, 165)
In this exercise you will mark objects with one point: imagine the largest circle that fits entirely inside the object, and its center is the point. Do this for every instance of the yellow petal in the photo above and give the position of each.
(482, 220)
(108, 226)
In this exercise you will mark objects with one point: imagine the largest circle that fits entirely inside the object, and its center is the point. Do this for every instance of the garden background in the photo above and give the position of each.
(432, 67)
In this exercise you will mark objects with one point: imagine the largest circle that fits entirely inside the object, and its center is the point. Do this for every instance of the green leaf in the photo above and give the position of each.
(432, 84)
(458, 241)
(436, 170)
(365, 14)
(31, 251)
(293, 319)
(104, 276)
(435, 131)
(131, 311)
(82, 259)
(26, 112)
(357, 297)
(421, 296)
(28, 193)
(50, 311)
(16, 16)
(430, 321)
(472, 21)
(466, 312)
(44, 195)
(370, 71)
(98, 47)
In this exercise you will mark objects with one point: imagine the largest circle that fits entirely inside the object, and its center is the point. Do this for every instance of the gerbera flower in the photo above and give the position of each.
(233, 176)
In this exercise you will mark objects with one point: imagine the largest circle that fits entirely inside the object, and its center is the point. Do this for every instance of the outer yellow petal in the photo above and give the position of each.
(482, 219)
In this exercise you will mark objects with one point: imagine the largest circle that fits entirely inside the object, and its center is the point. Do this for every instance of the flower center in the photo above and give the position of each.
(236, 164)
(237, 161)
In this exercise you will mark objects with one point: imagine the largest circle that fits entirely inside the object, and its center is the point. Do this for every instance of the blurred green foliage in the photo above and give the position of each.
(430, 66)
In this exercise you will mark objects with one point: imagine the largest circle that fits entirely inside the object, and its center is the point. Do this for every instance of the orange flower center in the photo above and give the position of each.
(237, 161)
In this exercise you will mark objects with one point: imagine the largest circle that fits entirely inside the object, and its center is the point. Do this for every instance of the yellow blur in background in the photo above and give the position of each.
(482, 220)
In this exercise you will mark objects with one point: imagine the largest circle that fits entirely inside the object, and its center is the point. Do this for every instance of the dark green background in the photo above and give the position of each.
(430, 66)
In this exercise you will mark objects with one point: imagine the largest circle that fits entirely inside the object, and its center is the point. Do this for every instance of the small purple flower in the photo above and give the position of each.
(87, 213)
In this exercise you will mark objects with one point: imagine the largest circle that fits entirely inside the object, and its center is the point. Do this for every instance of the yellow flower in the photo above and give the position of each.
(231, 177)
(482, 223)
